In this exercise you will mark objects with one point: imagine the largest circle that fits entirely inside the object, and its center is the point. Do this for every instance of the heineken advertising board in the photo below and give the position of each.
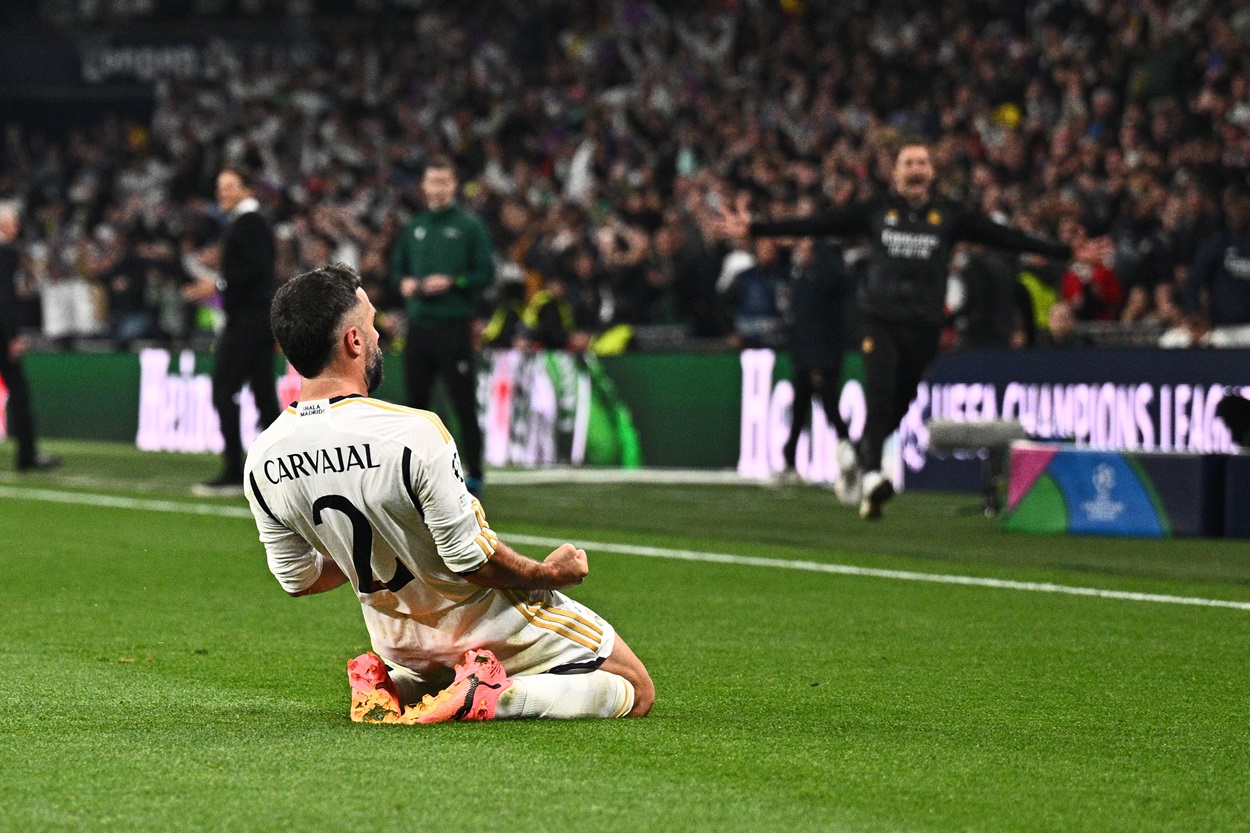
(537, 409)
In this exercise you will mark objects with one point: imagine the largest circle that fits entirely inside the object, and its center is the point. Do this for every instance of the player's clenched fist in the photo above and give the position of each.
(566, 566)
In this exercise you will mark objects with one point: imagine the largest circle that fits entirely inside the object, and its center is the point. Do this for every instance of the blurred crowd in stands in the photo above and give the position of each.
(599, 140)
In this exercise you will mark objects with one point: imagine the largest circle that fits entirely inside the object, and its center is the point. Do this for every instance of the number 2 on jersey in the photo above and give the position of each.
(362, 546)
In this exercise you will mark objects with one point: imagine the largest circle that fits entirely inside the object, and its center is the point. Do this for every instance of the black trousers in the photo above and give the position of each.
(21, 425)
(825, 382)
(445, 349)
(896, 356)
(244, 355)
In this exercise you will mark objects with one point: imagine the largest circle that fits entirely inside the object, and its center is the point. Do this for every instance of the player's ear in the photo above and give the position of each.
(353, 342)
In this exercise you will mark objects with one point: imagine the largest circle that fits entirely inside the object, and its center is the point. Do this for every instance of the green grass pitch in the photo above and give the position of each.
(155, 678)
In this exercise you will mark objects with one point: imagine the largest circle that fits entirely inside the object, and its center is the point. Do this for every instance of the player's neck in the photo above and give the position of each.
(328, 386)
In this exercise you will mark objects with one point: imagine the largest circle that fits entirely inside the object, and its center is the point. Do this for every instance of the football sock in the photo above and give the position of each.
(565, 696)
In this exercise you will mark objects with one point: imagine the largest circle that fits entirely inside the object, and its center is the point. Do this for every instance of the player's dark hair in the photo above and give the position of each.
(307, 312)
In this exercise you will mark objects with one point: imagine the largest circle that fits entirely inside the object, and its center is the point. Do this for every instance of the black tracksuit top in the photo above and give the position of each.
(911, 247)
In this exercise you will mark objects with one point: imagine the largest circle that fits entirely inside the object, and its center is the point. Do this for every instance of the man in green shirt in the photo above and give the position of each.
(441, 264)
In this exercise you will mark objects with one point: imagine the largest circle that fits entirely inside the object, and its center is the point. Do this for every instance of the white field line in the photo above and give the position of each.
(873, 572)
(111, 502)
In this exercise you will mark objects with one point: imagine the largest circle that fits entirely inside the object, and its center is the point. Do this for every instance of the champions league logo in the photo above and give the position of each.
(1104, 480)
(1102, 508)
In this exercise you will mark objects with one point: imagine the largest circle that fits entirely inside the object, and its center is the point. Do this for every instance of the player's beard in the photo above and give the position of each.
(374, 369)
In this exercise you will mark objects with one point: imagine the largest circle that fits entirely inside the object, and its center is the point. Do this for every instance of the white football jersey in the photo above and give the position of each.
(379, 489)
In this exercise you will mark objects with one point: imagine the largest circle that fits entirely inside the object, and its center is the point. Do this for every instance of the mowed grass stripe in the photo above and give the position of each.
(188, 693)
(114, 502)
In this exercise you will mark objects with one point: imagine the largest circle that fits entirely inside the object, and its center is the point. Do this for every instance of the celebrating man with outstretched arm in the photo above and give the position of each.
(911, 233)
(350, 489)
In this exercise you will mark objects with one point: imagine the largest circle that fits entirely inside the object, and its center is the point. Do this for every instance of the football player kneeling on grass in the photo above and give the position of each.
(350, 489)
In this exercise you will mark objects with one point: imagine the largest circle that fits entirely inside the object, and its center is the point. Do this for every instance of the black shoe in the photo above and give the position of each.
(877, 492)
(42, 462)
(224, 485)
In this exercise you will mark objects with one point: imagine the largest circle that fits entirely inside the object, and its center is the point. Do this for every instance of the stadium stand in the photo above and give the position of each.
(599, 140)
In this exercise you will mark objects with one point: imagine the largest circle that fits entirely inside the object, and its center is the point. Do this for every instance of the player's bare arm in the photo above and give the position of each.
(330, 578)
(566, 566)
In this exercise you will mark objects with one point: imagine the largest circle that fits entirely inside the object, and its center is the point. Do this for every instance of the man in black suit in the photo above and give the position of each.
(21, 423)
(245, 348)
